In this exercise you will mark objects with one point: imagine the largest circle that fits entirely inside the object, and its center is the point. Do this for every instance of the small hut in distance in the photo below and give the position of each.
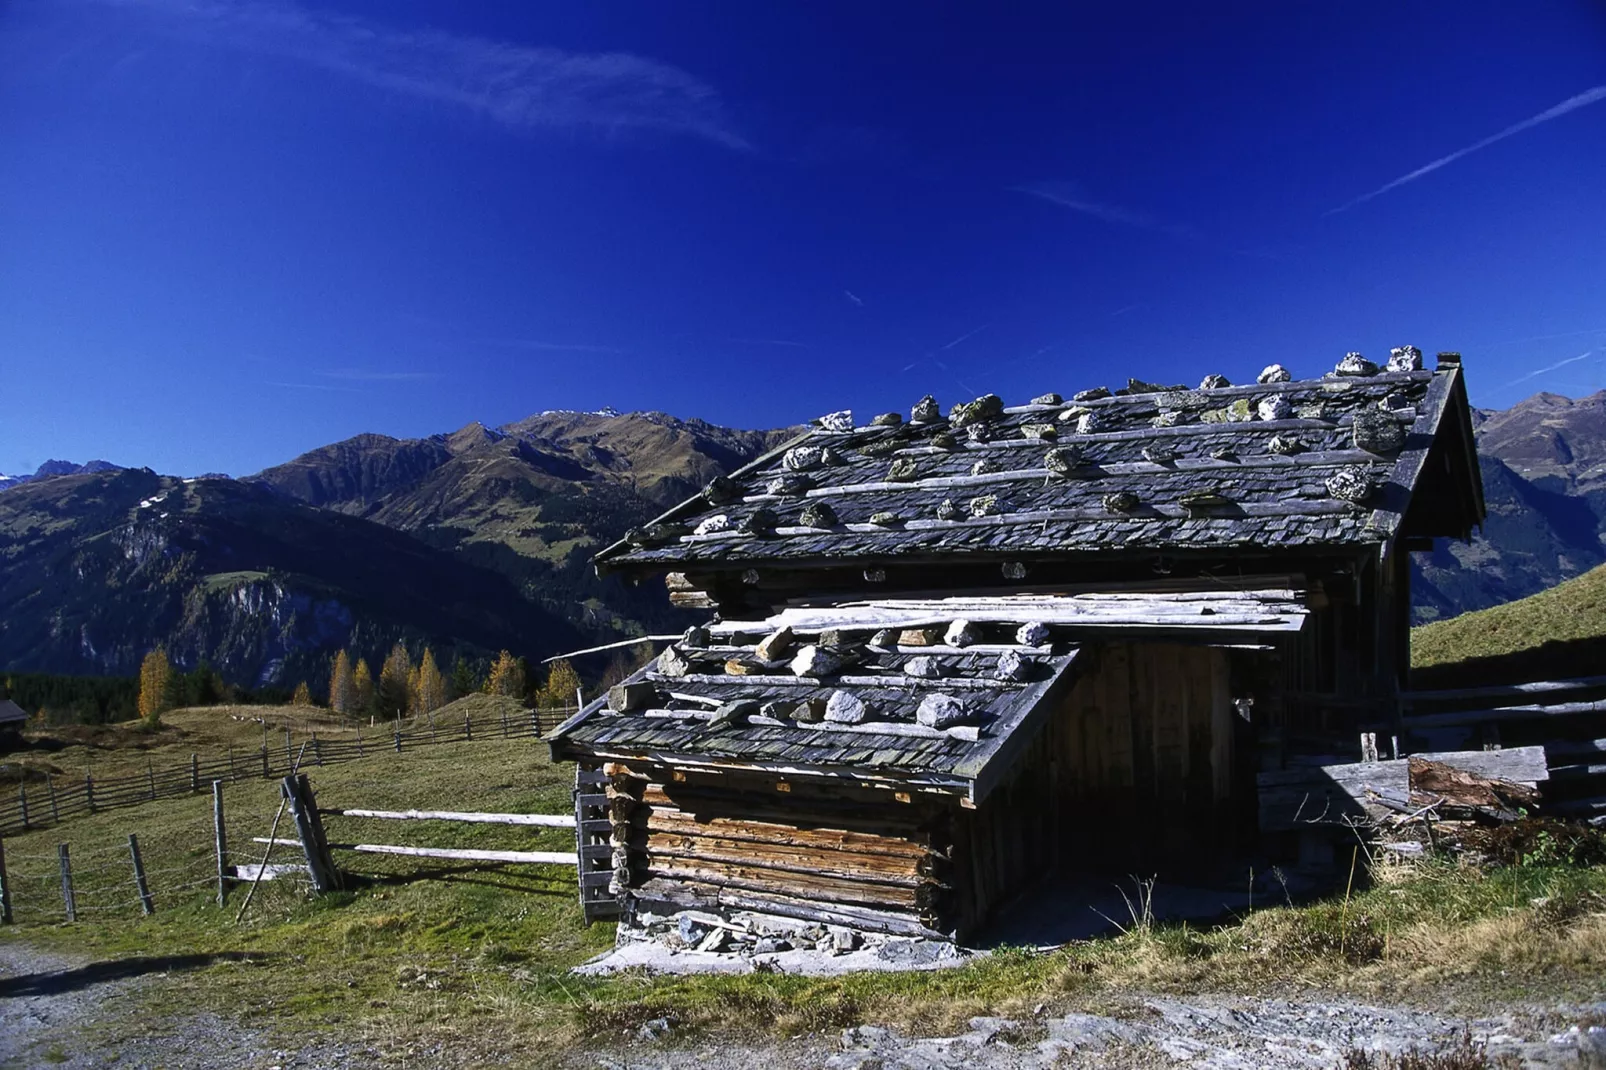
(953, 654)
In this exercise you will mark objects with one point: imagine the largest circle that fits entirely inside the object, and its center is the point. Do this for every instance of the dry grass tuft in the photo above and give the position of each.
(1464, 1054)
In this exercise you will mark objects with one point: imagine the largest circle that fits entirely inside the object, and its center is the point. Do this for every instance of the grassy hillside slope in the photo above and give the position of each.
(1561, 632)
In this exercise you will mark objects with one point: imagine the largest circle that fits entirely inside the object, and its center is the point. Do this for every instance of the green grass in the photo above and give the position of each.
(477, 958)
(1569, 612)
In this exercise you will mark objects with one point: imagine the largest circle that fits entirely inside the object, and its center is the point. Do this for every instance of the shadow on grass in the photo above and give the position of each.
(59, 981)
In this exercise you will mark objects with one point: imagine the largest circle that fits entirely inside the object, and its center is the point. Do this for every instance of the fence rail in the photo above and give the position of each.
(57, 799)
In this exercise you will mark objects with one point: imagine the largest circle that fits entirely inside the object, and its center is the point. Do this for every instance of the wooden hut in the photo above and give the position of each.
(951, 654)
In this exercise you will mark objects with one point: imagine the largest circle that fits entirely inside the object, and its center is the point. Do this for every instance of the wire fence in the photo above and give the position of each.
(96, 875)
(52, 800)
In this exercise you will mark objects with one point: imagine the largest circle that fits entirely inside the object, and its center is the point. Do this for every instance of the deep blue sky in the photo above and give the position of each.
(233, 232)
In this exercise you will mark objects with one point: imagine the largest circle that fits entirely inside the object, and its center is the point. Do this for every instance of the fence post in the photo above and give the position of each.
(55, 814)
(317, 753)
(195, 772)
(264, 763)
(289, 750)
(232, 775)
(468, 729)
(431, 718)
(66, 882)
(5, 888)
(359, 741)
(22, 799)
(398, 737)
(504, 724)
(222, 842)
(89, 792)
(150, 773)
(535, 722)
(309, 828)
(146, 903)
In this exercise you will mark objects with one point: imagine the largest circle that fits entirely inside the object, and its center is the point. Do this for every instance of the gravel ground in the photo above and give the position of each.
(57, 1011)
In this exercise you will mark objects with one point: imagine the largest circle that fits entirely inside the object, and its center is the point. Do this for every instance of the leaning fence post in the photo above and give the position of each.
(146, 903)
(222, 842)
(66, 882)
(55, 814)
(309, 828)
(22, 799)
(5, 888)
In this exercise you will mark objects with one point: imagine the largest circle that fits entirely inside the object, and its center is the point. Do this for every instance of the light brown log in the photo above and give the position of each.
(470, 817)
(836, 890)
(556, 858)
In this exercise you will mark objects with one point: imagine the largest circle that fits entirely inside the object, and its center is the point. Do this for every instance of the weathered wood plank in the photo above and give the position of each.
(468, 817)
(556, 858)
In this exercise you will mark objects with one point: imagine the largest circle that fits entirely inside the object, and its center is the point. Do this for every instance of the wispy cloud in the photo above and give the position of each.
(1571, 104)
(312, 386)
(1069, 195)
(855, 298)
(547, 347)
(364, 375)
(519, 86)
(965, 337)
(1546, 371)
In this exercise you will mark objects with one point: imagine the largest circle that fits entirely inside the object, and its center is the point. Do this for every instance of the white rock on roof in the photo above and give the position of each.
(1274, 373)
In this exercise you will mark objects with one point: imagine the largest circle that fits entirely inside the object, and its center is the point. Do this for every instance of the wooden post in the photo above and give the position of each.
(317, 754)
(195, 772)
(232, 775)
(264, 762)
(468, 729)
(5, 888)
(146, 903)
(289, 751)
(66, 882)
(150, 774)
(89, 792)
(398, 737)
(221, 841)
(22, 799)
(504, 724)
(359, 741)
(309, 827)
(55, 814)
(430, 717)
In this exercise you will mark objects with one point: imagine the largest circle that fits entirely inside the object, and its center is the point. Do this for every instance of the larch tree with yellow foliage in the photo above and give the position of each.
(395, 683)
(507, 677)
(155, 675)
(429, 688)
(342, 687)
(362, 686)
(303, 695)
(562, 685)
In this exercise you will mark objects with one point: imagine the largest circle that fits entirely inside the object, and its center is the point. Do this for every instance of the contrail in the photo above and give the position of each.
(1588, 96)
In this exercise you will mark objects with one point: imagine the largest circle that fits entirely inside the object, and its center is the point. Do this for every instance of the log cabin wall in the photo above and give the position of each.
(874, 859)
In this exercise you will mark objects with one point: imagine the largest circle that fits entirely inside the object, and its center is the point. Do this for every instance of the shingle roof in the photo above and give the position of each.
(10, 712)
(714, 700)
(1329, 461)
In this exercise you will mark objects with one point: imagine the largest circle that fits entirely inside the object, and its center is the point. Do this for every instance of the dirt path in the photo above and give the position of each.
(58, 1011)
(74, 1013)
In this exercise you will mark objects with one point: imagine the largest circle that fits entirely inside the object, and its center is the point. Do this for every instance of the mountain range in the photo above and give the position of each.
(481, 539)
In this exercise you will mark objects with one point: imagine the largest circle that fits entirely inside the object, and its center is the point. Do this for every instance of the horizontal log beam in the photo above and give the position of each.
(469, 817)
(555, 858)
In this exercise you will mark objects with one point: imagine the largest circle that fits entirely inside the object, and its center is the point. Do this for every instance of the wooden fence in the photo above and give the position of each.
(1565, 717)
(56, 799)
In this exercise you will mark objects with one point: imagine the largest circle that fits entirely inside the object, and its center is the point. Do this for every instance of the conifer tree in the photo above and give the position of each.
(431, 687)
(562, 684)
(362, 687)
(462, 678)
(155, 674)
(507, 676)
(395, 682)
(302, 696)
(342, 686)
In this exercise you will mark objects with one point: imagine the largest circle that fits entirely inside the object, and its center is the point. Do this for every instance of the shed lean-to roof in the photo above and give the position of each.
(713, 700)
(11, 713)
(1281, 463)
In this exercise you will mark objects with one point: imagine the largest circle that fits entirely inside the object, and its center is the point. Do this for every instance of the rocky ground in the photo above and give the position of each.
(56, 1011)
